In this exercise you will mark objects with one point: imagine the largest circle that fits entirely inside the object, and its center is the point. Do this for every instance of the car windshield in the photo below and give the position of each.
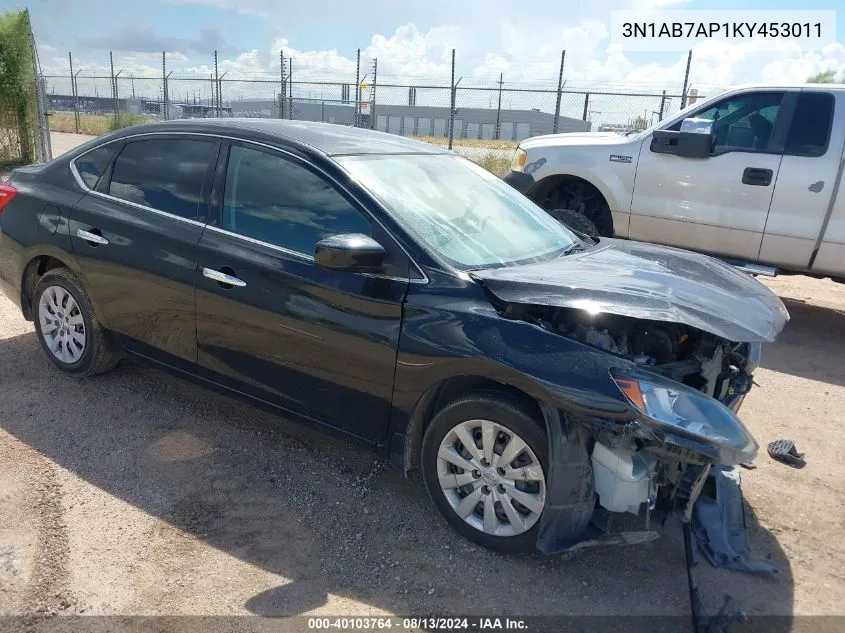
(459, 210)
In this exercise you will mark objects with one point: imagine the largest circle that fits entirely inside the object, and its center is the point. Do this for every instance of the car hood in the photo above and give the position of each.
(646, 281)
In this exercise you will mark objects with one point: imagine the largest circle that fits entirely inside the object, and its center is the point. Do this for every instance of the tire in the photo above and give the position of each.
(581, 196)
(576, 221)
(515, 527)
(60, 304)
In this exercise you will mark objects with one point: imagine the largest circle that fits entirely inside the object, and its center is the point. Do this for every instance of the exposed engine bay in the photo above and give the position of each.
(632, 474)
(698, 359)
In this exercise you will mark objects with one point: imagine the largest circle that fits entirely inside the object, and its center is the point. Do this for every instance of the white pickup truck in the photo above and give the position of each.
(758, 184)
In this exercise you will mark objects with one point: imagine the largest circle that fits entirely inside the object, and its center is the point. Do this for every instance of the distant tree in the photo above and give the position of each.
(824, 77)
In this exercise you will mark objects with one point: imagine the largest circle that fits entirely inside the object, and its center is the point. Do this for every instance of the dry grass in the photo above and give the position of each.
(92, 124)
(469, 142)
(494, 163)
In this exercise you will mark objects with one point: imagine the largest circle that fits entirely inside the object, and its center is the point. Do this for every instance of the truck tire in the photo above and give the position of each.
(581, 196)
(576, 221)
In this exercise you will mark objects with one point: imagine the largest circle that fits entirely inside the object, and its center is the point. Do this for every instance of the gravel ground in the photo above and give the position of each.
(136, 493)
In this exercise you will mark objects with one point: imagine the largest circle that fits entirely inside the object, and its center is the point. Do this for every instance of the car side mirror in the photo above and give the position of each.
(349, 252)
(693, 140)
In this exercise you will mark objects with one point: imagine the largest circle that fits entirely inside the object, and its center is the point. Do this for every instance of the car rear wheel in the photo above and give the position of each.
(484, 463)
(67, 326)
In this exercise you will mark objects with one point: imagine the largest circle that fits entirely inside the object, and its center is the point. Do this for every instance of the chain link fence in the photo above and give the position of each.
(476, 113)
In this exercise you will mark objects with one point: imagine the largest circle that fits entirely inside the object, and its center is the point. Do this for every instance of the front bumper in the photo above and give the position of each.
(519, 180)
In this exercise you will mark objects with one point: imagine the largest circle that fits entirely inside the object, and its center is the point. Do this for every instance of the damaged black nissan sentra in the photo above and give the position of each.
(402, 296)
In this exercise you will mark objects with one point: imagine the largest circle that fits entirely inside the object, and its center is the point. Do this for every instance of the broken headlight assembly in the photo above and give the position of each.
(672, 407)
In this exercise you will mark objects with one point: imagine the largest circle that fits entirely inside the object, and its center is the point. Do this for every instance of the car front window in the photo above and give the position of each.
(460, 211)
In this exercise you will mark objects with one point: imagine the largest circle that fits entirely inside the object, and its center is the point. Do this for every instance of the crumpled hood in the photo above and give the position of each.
(646, 281)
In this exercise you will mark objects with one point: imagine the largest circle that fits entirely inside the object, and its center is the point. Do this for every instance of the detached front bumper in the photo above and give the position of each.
(519, 180)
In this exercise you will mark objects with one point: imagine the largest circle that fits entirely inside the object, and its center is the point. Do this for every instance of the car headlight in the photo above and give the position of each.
(519, 157)
(681, 410)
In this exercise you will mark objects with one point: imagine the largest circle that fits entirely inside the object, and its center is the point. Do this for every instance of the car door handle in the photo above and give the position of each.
(757, 176)
(93, 238)
(223, 278)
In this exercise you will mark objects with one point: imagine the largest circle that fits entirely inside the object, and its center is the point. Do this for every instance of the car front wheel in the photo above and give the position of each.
(484, 462)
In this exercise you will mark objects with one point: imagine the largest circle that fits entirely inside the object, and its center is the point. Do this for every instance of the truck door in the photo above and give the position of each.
(805, 184)
(716, 204)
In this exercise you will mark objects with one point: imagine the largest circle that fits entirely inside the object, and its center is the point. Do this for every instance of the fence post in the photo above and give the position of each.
(559, 92)
(662, 105)
(216, 88)
(282, 80)
(452, 104)
(73, 92)
(686, 82)
(373, 96)
(586, 105)
(220, 92)
(499, 107)
(113, 90)
(357, 89)
(44, 150)
(290, 88)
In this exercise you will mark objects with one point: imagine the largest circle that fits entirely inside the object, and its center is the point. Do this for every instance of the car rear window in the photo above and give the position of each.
(164, 174)
(91, 165)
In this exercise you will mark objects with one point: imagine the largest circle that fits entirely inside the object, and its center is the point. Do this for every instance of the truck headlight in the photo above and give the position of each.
(519, 157)
(681, 410)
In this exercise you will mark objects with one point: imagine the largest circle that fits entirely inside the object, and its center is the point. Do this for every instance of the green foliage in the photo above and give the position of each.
(824, 77)
(17, 89)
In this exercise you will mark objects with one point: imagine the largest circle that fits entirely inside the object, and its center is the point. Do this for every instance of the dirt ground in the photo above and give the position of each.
(136, 493)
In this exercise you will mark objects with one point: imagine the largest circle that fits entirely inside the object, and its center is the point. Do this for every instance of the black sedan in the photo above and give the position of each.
(397, 294)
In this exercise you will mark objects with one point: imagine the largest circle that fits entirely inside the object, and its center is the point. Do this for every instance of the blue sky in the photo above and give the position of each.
(412, 39)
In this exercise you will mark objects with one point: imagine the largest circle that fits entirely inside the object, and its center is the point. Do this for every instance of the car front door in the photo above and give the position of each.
(316, 342)
(717, 204)
(135, 236)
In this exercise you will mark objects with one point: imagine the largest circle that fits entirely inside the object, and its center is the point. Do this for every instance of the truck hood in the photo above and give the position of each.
(646, 281)
(575, 138)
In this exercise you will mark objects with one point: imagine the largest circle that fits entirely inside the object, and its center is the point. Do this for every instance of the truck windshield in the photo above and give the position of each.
(460, 211)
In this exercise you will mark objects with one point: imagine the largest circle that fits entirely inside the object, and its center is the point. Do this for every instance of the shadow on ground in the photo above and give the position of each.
(323, 515)
(812, 345)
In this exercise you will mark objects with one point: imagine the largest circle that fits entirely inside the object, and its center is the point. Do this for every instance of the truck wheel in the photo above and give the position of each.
(576, 221)
(581, 196)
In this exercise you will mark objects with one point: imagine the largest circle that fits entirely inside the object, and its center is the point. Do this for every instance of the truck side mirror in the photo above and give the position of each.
(693, 140)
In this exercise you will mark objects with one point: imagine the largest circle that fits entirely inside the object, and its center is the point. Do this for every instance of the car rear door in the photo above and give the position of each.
(717, 204)
(135, 236)
(316, 342)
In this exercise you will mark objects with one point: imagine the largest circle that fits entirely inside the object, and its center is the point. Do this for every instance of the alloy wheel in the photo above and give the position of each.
(62, 325)
(491, 478)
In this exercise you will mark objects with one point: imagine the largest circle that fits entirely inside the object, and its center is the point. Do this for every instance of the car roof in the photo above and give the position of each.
(329, 138)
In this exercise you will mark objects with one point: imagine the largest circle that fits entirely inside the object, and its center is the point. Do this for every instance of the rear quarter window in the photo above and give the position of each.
(91, 165)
